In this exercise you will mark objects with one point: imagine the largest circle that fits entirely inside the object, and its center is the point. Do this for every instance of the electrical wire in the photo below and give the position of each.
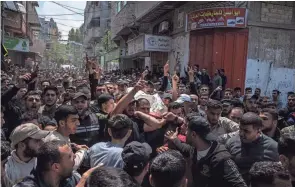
(67, 8)
(73, 7)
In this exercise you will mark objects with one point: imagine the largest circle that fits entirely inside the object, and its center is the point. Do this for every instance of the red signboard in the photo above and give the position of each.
(217, 17)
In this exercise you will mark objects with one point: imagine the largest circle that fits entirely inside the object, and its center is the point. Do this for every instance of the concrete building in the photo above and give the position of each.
(96, 23)
(20, 23)
(253, 41)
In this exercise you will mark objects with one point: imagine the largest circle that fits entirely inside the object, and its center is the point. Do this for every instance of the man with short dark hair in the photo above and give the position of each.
(257, 92)
(237, 94)
(285, 112)
(26, 140)
(211, 163)
(251, 103)
(248, 91)
(55, 163)
(270, 123)
(251, 145)
(67, 119)
(109, 153)
(50, 96)
(228, 94)
(219, 125)
(168, 169)
(136, 157)
(269, 174)
(286, 150)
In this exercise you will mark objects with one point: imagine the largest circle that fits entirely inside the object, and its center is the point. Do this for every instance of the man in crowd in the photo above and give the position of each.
(287, 153)
(136, 158)
(202, 148)
(270, 123)
(55, 163)
(26, 140)
(251, 145)
(109, 153)
(269, 174)
(168, 169)
(276, 99)
(236, 114)
(87, 132)
(285, 112)
(50, 96)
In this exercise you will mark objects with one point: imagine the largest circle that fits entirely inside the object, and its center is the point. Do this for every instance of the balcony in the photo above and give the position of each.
(123, 20)
(93, 34)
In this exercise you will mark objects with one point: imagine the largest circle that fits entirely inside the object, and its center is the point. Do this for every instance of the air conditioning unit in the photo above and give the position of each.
(164, 26)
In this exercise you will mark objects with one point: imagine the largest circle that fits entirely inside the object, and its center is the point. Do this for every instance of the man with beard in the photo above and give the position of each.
(32, 101)
(270, 123)
(55, 163)
(50, 95)
(286, 150)
(285, 112)
(219, 125)
(211, 163)
(26, 140)
(251, 103)
(88, 131)
(251, 145)
(226, 107)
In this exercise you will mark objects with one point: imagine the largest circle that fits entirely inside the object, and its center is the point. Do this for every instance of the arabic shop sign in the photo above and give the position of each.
(16, 44)
(217, 17)
(149, 43)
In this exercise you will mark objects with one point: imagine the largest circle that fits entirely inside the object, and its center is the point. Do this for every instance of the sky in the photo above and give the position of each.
(64, 22)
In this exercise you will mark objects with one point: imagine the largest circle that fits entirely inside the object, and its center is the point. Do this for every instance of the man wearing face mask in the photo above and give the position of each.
(88, 131)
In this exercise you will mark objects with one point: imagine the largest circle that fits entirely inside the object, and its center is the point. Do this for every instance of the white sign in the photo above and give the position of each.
(157, 43)
(144, 43)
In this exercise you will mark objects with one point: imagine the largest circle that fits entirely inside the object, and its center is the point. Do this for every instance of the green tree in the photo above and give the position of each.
(107, 43)
(57, 52)
(71, 35)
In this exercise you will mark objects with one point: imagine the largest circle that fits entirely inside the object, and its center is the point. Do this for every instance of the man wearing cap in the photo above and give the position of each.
(88, 131)
(26, 139)
(211, 162)
(136, 157)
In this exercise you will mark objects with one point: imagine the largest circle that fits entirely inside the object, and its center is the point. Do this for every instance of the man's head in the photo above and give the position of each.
(32, 101)
(236, 114)
(237, 92)
(181, 89)
(286, 151)
(204, 98)
(195, 99)
(257, 92)
(56, 157)
(176, 108)
(67, 119)
(251, 103)
(143, 105)
(21, 92)
(45, 84)
(120, 127)
(198, 131)
(228, 93)
(106, 103)
(248, 91)
(275, 94)
(110, 177)
(291, 101)
(168, 169)
(250, 127)
(149, 89)
(136, 157)
(27, 139)
(269, 174)
(50, 95)
(269, 119)
(80, 102)
(226, 107)
(111, 88)
(214, 109)
(204, 89)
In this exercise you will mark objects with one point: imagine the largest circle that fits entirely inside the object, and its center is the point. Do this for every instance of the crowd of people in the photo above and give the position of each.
(65, 128)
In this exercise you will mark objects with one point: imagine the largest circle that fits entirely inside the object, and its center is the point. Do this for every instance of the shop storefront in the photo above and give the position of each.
(150, 50)
(219, 40)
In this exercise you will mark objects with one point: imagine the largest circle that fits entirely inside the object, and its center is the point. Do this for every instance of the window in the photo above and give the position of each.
(118, 6)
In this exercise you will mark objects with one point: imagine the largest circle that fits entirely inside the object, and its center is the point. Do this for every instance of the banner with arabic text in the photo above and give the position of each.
(217, 17)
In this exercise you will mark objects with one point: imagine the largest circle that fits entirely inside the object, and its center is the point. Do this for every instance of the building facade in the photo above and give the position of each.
(96, 23)
(20, 21)
(253, 41)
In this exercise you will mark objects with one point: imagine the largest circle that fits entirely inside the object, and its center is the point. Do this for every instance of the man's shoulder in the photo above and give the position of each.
(269, 143)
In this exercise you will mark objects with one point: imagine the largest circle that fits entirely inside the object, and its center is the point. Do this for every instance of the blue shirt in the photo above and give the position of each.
(107, 153)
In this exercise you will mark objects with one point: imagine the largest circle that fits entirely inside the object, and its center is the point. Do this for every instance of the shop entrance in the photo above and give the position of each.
(221, 49)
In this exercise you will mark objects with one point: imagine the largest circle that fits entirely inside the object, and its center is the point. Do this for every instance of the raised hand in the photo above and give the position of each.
(171, 135)
(175, 78)
(166, 68)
